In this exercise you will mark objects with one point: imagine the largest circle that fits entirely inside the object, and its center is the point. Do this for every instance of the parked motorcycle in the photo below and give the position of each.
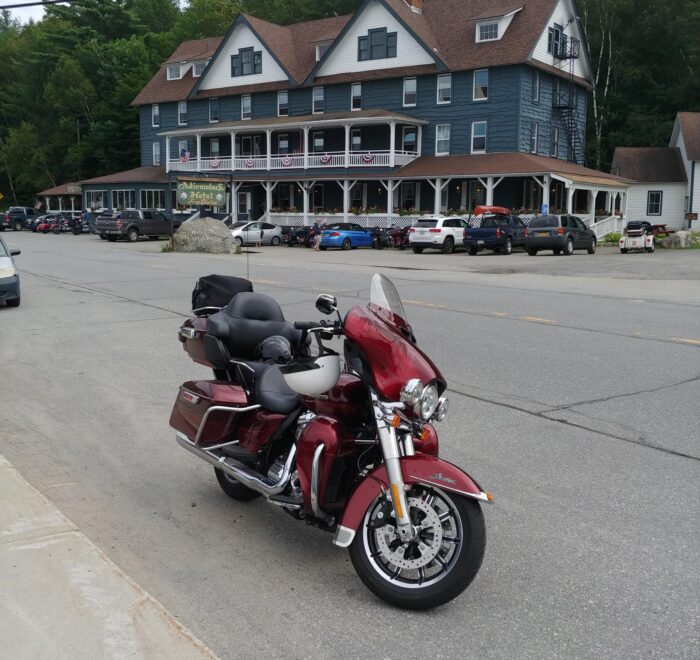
(380, 238)
(399, 237)
(48, 224)
(352, 451)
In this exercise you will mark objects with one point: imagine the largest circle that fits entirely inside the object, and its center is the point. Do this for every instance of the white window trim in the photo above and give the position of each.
(180, 147)
(132, 191)
(156, 149)
(155, 191)
(182, 123)
(488, 86)
(554, 143)
(214, 121)
(409, 105)
(471, 145)
(248, 96)
(437, 139)
(313, 100)
(660, 193)
(90, 199)
(437, 91)
(279, 104)
(179, 69)
(155, 106)
(194, 69)
(535, 137)
(320, 45)
(484, 24)
(536, 87)
(218, 147)
(352, 97)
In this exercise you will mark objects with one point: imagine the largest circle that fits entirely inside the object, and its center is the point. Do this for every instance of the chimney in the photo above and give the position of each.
(416, 6)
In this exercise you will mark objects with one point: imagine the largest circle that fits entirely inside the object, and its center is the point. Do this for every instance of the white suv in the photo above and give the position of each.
(441, 233)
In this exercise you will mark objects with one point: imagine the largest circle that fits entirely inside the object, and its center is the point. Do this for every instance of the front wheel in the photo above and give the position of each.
(17, 226)
(346, 244)
(132, 235)
(437, 566)
(275, 241)
(448, 245)
(568, 247)
(592, 247)
(508, 247)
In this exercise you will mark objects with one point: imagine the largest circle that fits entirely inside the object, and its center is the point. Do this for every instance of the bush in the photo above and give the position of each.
(612, 238)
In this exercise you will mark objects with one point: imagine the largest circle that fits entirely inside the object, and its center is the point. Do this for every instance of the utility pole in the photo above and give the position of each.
(77, 126)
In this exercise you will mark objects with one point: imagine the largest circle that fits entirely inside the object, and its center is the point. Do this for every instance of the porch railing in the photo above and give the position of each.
(329, 159)
(365, 220)
(614, 224)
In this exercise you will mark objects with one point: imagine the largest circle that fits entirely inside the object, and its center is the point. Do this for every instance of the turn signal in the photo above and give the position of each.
(489, 497)
(396, 421)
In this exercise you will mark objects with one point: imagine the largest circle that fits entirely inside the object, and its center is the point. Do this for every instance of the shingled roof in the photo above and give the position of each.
(446, 28)
(649, 164)
(690, 126)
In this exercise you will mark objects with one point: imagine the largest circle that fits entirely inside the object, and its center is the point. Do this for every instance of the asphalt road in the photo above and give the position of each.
(575, 390)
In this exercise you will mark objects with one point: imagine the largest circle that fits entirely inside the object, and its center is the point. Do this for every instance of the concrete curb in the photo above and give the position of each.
(61, 597)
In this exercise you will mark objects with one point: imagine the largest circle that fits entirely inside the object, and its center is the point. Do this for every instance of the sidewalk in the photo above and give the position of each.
(61, 597)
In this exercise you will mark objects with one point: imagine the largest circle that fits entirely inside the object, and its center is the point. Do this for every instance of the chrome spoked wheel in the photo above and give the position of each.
(437, 564)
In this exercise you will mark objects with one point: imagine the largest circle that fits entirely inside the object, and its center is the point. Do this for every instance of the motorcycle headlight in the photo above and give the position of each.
(412, 392)
(7, 272)
(429, 402)
(441, 411)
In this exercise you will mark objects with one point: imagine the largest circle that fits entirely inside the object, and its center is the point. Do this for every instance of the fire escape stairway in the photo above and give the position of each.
(566, 101)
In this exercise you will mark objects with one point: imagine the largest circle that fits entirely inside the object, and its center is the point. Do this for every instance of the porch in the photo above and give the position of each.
(346, 140)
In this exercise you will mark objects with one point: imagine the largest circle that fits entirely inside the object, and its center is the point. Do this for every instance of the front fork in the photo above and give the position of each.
(390, 449)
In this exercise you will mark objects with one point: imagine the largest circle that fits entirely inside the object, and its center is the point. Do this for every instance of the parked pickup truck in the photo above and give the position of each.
(132, 224)
(494, 228)
(17, 218)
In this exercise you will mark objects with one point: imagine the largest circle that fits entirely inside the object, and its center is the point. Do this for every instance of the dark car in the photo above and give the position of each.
(9, 278)
(18, 218)
(493, 228)
(133, 224)
(560, 233)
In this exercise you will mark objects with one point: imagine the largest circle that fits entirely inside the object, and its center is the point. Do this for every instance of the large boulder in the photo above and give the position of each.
(677, 241)
(203, 235)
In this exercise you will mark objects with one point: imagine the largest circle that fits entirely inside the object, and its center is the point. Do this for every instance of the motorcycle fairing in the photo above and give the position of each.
(421, 469)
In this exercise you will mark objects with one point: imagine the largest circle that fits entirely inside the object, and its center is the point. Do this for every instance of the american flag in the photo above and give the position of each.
(184, 156)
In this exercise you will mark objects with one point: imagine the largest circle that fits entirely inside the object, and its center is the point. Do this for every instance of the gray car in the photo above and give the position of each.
(9, 277)
(560, 233)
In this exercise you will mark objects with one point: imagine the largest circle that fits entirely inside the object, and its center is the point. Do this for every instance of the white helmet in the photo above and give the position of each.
(313, 377)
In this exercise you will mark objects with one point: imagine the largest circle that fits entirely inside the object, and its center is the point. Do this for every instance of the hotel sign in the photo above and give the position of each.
(201, 193)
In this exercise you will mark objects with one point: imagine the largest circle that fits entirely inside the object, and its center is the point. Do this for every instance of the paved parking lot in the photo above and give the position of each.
(575, 390)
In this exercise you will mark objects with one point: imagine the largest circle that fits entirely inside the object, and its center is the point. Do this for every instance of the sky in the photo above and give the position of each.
(24, 14)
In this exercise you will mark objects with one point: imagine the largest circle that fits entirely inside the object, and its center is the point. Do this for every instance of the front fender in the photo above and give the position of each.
(421, 469)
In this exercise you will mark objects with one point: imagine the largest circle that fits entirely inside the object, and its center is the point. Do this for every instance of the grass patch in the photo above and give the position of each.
(166, 247)
(612, 238)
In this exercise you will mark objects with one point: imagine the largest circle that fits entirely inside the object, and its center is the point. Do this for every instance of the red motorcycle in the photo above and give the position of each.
(351, 450)
(399, 237)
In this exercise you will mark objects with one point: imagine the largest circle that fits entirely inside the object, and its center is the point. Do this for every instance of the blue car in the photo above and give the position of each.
(346, 236)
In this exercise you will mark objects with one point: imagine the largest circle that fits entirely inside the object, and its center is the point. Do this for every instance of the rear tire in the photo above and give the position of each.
(13, 303)
(532, 252)
(275, 241)
(623, 250)
(17, 226)
(473, 250)
(112, 239)
(651, 249)
(235, 489)
(508, 247)
(347, 244)
(448, 245)
(462, 522)
(417, 250)
(132, 235)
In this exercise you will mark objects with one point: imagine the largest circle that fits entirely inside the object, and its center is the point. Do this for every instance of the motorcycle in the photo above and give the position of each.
(48, 224)
(399, 237)
(352, 451)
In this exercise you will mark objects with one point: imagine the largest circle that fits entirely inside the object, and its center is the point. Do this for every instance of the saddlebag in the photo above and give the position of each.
(192, 416)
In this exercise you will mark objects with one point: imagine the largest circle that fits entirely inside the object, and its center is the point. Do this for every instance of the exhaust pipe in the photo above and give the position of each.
(237, 470)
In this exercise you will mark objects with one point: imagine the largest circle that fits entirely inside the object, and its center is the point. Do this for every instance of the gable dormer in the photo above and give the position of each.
(241, 60)
(562, 44)
(374, 39)
(492, 28)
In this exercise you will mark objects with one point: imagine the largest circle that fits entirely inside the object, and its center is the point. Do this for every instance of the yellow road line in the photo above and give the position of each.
(420, 303)
(534, 319)
(691, 342)
(269, 282)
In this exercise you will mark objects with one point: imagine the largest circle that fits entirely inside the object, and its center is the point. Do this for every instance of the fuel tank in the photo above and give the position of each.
(347, 402)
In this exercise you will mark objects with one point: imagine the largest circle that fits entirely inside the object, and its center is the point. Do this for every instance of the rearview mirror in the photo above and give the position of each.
(326, 304)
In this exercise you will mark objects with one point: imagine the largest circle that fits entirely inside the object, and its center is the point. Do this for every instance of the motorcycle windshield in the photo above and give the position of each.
(384, 300)
(382, 338)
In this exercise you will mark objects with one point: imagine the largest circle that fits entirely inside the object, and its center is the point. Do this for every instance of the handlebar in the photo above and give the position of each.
(321, 326)
(307, 325)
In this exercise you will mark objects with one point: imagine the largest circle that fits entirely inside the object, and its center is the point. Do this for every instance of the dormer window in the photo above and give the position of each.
(321, 49)
(247, 62)
(377, 45)
(487, 31)
(198, 69)
(174, 72)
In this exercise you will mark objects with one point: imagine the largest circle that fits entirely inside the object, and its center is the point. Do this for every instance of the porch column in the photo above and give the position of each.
(594, 197)
(72, 203)
(48, 205)
(438, 196)
(418, 187)
(235, 187)
(268, 134)
(546, 189)
(199, 152)
(570, 192)
(233, 149)
(390, 199)
(392, 144)
(346, 186)
(348, 128)
(269, 188)
(306, 147)
(60, 204)
(419, 140)
(625, 198)
(489, 191)
(167, 153)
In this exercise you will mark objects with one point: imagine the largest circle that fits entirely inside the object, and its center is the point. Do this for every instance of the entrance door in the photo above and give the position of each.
(244, 203)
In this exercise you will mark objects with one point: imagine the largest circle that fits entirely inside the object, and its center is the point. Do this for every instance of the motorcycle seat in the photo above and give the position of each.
(273, 393)
(247, 320)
